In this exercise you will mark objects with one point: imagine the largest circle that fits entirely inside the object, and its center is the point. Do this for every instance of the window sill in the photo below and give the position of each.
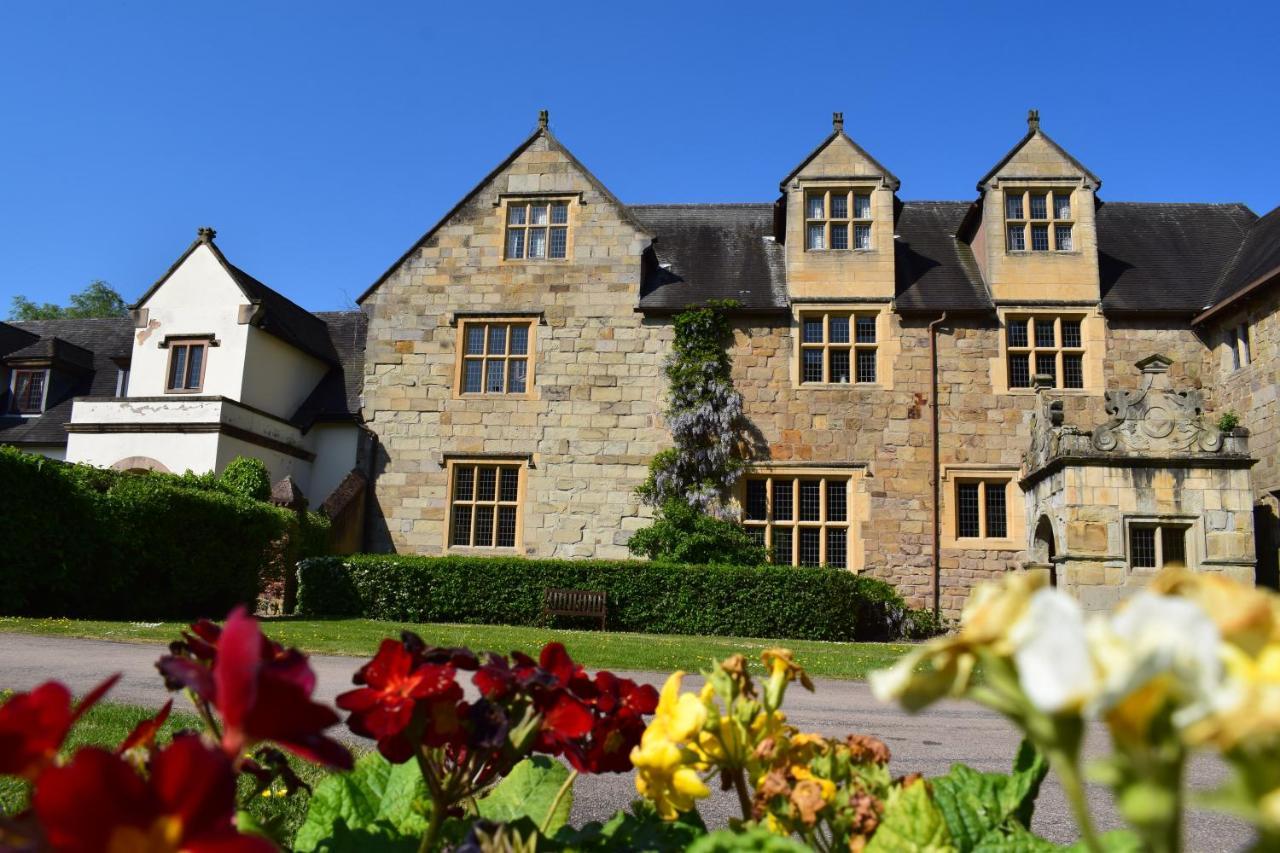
(482, 550)
(840, 386)
(183, 391)
(1034, 253)
(535, 260)
(843, 251)
(481, 395)
(983, 544)
(1070, 392)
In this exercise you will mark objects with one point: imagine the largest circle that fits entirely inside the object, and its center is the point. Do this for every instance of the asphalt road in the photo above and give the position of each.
(929, 742)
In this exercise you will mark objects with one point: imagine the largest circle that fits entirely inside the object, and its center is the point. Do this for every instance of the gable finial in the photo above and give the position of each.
(1033, 119)
(837, 122)
(205, 234)
(543, 118)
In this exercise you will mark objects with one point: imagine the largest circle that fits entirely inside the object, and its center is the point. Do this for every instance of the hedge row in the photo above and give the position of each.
(768, 601)
(88, 542)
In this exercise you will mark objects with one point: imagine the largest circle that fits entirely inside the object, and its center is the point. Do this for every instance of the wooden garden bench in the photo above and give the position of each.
(574, 602)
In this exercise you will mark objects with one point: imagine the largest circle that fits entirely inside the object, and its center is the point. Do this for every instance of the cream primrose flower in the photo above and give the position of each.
(1152, 649)
(1056, 669)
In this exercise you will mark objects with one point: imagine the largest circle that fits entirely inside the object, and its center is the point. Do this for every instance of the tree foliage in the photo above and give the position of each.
(98, 299)
(704, 414)
(683, 534)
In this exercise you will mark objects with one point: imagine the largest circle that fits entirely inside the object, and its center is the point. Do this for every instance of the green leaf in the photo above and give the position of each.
(728, 841)
(640, 830)
(375, 806)
(977, 804)
(911, 824)
(1013, 837)
(532, 790)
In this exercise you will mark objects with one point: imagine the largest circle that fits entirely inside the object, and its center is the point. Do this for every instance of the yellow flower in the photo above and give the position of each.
(666, 768)
(1249, 706)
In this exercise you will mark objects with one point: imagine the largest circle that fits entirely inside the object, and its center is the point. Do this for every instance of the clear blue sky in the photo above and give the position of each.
(321, 139)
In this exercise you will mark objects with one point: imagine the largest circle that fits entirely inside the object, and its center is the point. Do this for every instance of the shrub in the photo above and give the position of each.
(247, 477)
(684, 534)
(1228, 421)
(89, 542)
(744, 601)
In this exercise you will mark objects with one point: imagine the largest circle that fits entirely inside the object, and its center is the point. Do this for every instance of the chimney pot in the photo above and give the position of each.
(543, 118)
(1033, 119)
(837, 122)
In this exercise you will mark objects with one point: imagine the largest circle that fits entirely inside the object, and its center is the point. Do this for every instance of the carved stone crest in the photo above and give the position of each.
(1156, 419)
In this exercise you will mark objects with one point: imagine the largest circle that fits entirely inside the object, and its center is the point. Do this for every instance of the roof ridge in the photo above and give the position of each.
(1240, 204)
(704, 204)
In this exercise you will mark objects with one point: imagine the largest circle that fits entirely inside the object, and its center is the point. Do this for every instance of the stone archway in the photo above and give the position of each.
(1044, 548)
(138, 464)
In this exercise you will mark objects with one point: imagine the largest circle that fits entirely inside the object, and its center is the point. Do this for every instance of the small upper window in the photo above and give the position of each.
(495, 358)
(1241, 351)
(1039, 220)
(838, 348)
(29, 391)
(1158, 546)
(537, 229)
(837, 219)
(982, 509)
(1045, 345)
(186, 366)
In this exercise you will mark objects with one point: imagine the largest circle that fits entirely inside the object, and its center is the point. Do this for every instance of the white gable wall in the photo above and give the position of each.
(279, 377)
(199, 298)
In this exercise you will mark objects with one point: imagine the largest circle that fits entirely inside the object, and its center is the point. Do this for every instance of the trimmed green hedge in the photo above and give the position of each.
(89, 542)
(741, 601)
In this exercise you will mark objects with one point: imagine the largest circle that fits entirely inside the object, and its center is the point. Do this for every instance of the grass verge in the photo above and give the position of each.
(593, 649)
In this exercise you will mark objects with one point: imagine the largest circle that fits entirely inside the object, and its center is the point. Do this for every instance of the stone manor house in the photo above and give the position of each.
(937, 391)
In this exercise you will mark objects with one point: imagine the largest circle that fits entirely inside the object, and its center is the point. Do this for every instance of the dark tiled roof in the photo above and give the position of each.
(1166, 257)
(1259, 256)
(337, 397)
(56, 350)
(936, 272)
(104, 340)
(711, 251)
(286, 319)
(12, 338)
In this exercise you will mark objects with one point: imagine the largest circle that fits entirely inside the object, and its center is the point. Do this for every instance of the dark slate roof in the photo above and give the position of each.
(284, 318)
(337, 396)
(12, 338)
(936, 271)
(1166, 257)
(1259, 256)
(105, 340)
(711, 251)
(56, 350)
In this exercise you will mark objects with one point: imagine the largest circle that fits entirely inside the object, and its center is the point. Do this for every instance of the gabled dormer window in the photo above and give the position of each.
(28, 388)
(837, 219)
(537, 229)
(1039, 220)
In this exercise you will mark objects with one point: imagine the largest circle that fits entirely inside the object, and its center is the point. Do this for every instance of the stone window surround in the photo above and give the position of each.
(1049, 186)
(506, 200)
(450, 463)
(951, 475)
(1093, 337)
(461, 321)
(205, 341)
(1193, 524)
(858, 502)
(13, 391)
(851, 190)
(887, 344)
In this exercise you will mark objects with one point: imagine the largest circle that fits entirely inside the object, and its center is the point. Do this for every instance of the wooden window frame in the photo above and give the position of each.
(13, 390)
(984, 484)
(826, 346)
(173, 345)
(773, 480)
(1050, 222)
(1032, 350)
(849, 222)
(528, 203)
(530, 357)
(452, 501)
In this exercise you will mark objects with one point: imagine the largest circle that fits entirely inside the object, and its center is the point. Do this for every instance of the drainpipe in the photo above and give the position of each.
(934, 470)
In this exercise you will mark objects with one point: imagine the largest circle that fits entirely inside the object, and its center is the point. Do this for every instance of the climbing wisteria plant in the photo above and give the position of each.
(704, 414)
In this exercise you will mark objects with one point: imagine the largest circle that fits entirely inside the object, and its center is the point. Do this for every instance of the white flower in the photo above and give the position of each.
(1157, 637)
(1055, 667)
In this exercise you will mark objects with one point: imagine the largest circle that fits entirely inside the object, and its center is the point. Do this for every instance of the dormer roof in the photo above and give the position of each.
(54, 352)
(275, 313)
(543, 131)
(837, 133)
(1034, 132)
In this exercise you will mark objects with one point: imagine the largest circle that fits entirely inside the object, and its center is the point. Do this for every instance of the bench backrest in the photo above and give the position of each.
(575, 600)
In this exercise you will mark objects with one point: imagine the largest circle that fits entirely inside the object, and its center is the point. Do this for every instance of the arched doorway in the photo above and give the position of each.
(1043, 549)
(139, 464)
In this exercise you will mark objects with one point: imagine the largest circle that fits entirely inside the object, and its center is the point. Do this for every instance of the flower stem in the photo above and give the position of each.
(744, 797)
(555, 804)
(1068, 771)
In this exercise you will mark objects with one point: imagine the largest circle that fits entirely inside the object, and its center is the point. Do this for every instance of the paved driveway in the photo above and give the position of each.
(929, 742)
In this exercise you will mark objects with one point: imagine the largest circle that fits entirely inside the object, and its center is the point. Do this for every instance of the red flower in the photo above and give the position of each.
(144, 734)
(620, 705)
(261, 690)
(398, 683)
(34, 725)
(98, 802)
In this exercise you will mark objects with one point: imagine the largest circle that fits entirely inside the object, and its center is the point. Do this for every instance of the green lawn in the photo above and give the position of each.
(107, 724)
(594, 649)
